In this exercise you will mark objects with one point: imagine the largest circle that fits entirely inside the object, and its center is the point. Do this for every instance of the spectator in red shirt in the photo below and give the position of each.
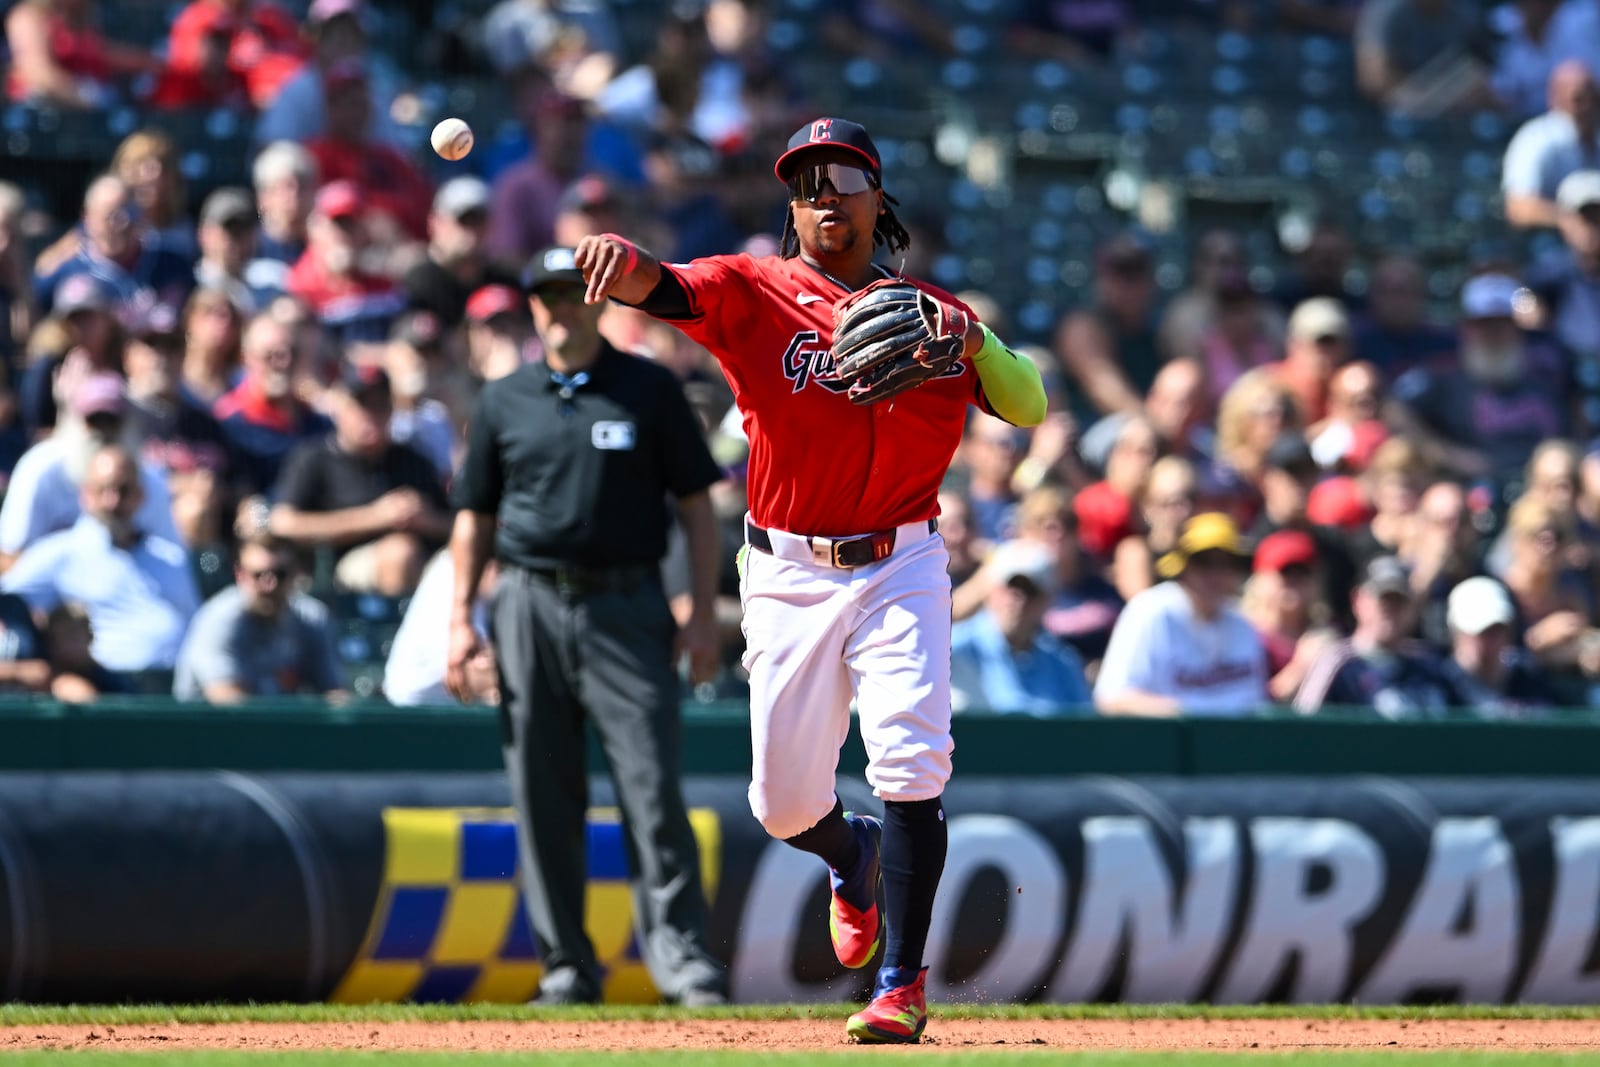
(250, 44)
(351, 305)
(59, 56)
(388, 182)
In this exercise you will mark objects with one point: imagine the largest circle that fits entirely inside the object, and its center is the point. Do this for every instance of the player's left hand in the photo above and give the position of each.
(697, 639)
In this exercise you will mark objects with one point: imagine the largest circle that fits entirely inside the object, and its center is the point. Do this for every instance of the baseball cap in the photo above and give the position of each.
(1211, 531)
(1386, 574)
(1489, 296)
(1321, 316)
(81, 292)
(586, 194)
(228, 204)
(1578, 190)
(419, 329)
(1023, 559)
(492, 300)
(1291, 453)
(829, 133)
(366, 384)
(554, 265)
(1477, 604)
(326, 10)
(1285, 548)
(338, 200)
(1338, 501)
(458, 196)
(103, 393)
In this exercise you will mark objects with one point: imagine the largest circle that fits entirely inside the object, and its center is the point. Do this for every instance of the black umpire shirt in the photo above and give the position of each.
(581, 479)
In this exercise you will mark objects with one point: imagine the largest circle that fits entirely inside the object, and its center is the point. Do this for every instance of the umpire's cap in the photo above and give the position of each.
(552, 266)
(1210, 532)
(829, 133)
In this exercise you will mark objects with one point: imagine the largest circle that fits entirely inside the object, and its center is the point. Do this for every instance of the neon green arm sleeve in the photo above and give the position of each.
(1011, 382)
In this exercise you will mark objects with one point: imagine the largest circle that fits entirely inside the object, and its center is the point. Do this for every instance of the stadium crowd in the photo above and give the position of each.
(224, 422)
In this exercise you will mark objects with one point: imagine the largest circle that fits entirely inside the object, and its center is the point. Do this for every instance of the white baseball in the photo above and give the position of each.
(452, 139)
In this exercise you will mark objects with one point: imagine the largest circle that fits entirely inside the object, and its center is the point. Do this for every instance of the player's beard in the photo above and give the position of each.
(833, 242)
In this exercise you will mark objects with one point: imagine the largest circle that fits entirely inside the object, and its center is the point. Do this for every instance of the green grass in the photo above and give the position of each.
(922, 1057)
(134, 1014)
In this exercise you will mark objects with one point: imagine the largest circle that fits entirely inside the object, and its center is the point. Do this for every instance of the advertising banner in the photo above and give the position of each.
(219, 886)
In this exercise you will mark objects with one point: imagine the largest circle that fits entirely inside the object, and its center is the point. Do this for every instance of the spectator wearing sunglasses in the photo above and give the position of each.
(258, 637)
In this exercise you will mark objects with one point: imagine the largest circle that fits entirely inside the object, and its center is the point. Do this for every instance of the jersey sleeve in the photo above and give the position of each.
(724, 295)
(480, 482)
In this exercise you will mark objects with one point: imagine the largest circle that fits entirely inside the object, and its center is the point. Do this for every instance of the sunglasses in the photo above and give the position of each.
(806, 183)
(275, 573)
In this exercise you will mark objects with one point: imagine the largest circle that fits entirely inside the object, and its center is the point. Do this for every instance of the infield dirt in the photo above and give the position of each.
(1199, 1034)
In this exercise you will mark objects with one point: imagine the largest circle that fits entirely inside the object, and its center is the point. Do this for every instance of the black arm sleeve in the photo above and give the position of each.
(667, 300)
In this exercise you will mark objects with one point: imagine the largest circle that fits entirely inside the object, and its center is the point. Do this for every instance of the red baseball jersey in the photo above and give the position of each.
(820, 465)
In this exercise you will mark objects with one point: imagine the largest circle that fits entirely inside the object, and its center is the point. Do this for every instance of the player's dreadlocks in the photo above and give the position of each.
(887, 231)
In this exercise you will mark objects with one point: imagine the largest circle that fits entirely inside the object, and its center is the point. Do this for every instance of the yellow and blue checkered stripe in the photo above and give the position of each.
(449, 923)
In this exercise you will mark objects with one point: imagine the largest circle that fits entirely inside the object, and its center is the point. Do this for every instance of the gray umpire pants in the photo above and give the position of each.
(564, 655)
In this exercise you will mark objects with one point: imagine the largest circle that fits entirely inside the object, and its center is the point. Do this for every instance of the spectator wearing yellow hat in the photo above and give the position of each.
(1182, 647)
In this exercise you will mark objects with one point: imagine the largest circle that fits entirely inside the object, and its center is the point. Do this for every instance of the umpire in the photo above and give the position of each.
(565, 480)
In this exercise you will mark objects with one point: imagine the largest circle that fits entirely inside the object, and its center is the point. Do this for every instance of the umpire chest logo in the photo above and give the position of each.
(613, 436)
(807, 360)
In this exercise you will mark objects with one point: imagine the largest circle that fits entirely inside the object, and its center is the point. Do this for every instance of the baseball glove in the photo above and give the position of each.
(892, 336)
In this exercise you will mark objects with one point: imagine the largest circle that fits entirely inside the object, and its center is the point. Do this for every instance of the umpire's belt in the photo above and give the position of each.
(843, 552)
(573, 580)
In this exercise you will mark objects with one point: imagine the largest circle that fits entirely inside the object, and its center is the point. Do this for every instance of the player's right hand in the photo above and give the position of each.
(603, 258)
(463, 647)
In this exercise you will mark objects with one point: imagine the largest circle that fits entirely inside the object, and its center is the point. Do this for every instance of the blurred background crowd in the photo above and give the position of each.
(1327, 268)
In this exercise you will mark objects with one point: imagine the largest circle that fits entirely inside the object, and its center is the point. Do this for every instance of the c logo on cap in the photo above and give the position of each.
(821, 130)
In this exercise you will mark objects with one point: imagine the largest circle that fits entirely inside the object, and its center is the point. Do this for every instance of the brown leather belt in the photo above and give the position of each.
(842, 552)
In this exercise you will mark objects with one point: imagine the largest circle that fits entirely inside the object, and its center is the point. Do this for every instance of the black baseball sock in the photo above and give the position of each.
(915, 839)
(832, 839)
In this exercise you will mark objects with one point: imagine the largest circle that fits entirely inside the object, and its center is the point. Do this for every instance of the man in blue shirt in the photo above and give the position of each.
(138, 588)
(1002, 660)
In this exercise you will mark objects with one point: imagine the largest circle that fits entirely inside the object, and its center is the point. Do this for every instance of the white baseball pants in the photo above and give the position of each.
(816, 635)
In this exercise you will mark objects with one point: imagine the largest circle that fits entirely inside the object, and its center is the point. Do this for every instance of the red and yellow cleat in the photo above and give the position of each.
(898, 1011)
(854, 922)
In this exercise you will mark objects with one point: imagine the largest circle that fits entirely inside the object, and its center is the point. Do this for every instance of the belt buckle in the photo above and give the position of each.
(825, 552)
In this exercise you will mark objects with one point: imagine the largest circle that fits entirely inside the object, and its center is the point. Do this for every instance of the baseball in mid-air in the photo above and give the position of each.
(452, 139)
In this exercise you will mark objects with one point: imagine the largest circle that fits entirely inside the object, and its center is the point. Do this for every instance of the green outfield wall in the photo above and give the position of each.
(155, 734)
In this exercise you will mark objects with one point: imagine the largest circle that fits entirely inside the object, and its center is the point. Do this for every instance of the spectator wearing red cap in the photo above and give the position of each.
(1283, 602)
(500, 334)
(351, 304)
(388, 182)
(457, 262)
(337, 31)
(261, 417)
(255, 43)
(43, 495)
(378, 504)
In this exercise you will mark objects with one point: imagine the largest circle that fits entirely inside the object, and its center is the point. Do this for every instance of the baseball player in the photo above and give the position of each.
(844, 582)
